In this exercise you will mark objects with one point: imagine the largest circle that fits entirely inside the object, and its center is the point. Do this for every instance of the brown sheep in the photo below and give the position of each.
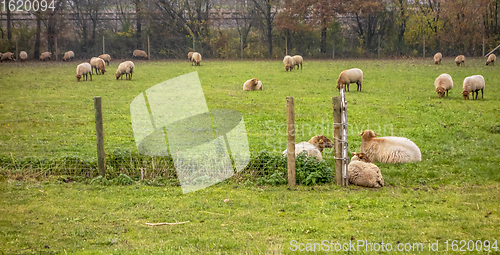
(491, 59)
(69, 55)
(106, 58)
(460, 60)
(437, 58)
(140, 54)
(321, 142)
(45, 56)
(252, 84)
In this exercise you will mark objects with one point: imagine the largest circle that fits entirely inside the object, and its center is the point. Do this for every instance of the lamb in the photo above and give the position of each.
(346, 77)
(364, 173)
(45, 56)
(83, 69)
(460, 60)
(7, 56)
(196, 58)
(106, 58)
(437, 58)
(473, 84)
(313, 147)
(126, 68)
(389, 149)
(140, 54)
(98, 65)
(491, 59)
(443, 83)
(298, 60)
(289, 63)
(252, 84)
(68, 55)
(23, 56)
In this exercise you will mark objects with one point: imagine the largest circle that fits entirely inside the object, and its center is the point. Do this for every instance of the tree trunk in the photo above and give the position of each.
(9, 29)
(138, 24)
(36, 54)
(50, 33)
(323, 36)
(270, 37)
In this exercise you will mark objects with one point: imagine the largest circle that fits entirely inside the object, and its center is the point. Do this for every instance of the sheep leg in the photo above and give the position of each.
(446, 92)
(481, 93)
(300, 66)
(348, 87)
(90, 76)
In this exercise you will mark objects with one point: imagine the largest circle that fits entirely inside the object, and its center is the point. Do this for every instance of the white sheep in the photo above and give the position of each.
(83, 69)
(190, 55)
(126, 68)
(289, 63)
(437, 58)
(460, 60)
(252, 84)
(98, 64)
(389, 149)
(346, 77)
(106, 58)
(68, 55)
(298, 60)
(7, 56)
(362, 172)
(23, 56)
(140, 54)
(491, 59)
(45, 56)
(443, 83)
(196, 58)
(473, 84)
(313, 147)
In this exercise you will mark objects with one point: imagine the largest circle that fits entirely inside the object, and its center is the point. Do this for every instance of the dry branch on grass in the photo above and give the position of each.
(165, 223)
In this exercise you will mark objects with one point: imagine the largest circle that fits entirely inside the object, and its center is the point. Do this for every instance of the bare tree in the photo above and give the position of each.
(267, 9)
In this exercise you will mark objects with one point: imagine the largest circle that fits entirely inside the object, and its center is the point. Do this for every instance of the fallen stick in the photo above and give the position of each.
(165, 223)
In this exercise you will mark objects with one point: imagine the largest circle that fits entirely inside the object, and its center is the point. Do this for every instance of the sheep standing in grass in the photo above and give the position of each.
(437, 58)
(45, 56)
(473, 84)
(460, 60)
(7, 56)
(106, 58)
(346, 77)
(98, 65)
(190, 55)
(491, 59)
(364, 173)
(140, 54)
(289, 63)
(298, 60)
(126, 68)
(313, 147)
(389, 149)
(83, 69)
(196, 58)
(23, 56)
(68, 55)
(252, 84)
(443, 83)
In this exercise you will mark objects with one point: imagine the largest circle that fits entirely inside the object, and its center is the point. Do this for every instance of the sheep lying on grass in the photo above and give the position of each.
(23, 56)
(443, 83)
(83, 69)
(437, 58)
(389, 149)
(460, 60)
(298, 60)
(106, 58)
(491, 59)
(126, 68)
(98, 64)
(196, 58)
(473, 84)
(252, 84)
(289, 63)
(364, 173)
(68, 55)
(140, 54)
(346, 77)
(313, 147)
(45, 56)
(7, 56)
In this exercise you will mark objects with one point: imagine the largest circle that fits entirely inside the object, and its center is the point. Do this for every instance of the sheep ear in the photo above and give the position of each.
(361, 133)
(376, 134)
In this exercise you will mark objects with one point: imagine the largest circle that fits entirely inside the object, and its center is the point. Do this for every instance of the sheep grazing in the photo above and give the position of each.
(196, 58)
(190, 55)
(7, 56)
(252, 84)
(364, 173)
(23, 56)
(45, 56)
(491, 59)
(313, 147)
(126, 68)
(289, 63)
(389, 149)
(106, 58)
(443, 83)
(346, 77)
(83, 69)
(298, 60)
(460, 60)
(68, 55)
(437, 58)
(140, 54)
(473, 84)
(98, 64)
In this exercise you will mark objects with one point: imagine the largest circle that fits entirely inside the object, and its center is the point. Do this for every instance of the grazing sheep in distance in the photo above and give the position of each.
(23, 56)
(460, 60)
(45, 56)
(68, 55)
(389, 149)
(7, 56)
(83, 69)
(106, 58)
(289, 63)
(473, 84)
(190, 55)
(437, 58)
(98, 65)
(298, 60)
(140, 54)
(491, 59)
(126, 68)
(196, 58)
(443, 83)
(362, 172)
(346, 77)
(252, 84)
(313, 147)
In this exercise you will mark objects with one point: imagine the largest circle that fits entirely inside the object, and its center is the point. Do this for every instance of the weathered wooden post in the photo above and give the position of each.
(149, 56)
(336, 137)
(103, 44)
(424, 45)
(290, 139)
(101, 155)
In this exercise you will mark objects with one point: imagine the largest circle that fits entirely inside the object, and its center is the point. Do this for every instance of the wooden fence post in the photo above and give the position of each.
(103, 44)
(336, 101)
(149, 56)
(101, 155)
(290, 138)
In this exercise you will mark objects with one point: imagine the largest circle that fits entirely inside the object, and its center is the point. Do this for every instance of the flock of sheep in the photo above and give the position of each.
(99, 65)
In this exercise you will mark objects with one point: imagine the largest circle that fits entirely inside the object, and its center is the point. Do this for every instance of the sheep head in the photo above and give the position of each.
(360, 157)
(321, 142)
(78, 77)
(287, 67)
(440, 91)
(368, 134)
(466, 95)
